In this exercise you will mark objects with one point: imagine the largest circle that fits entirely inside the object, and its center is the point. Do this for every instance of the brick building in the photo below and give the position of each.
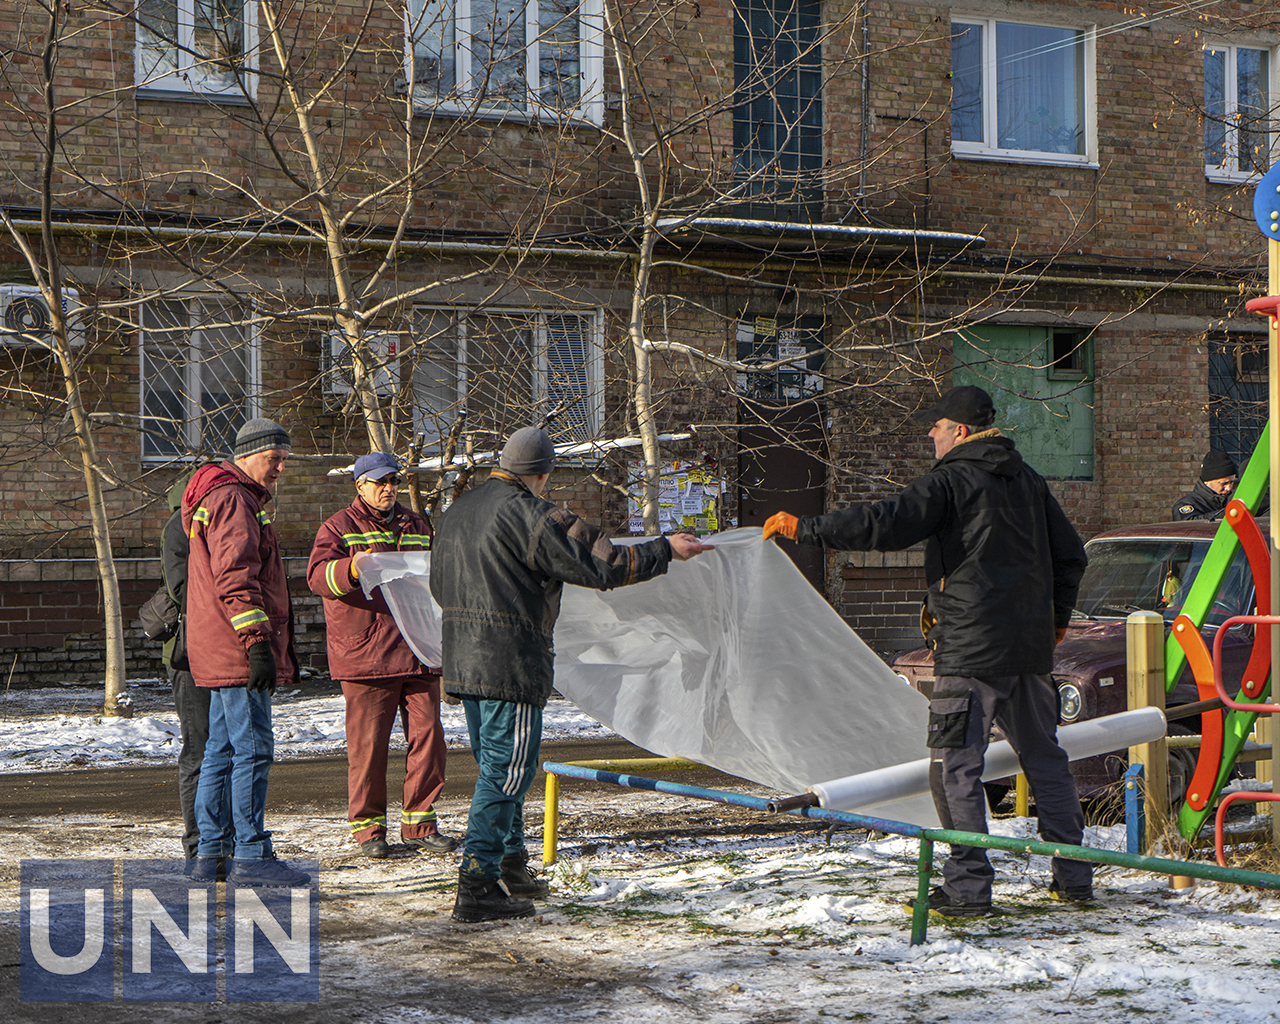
(851, 206)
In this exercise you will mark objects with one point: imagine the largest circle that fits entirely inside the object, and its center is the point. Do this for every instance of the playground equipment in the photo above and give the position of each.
(1224, 735)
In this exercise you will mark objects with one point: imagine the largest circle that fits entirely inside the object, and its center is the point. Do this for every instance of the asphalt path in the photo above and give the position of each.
(318, 784)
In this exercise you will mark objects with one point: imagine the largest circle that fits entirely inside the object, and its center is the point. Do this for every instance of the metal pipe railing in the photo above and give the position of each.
(928, 836)
(1221, 817)
(1219, 685)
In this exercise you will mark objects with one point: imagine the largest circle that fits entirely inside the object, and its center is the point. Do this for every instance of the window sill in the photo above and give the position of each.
(1006, 156)
(213, 99)
(573, 119)
(161, 461)
(1216, 177)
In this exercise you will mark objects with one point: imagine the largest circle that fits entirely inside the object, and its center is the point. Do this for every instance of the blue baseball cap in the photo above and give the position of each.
(375, 466)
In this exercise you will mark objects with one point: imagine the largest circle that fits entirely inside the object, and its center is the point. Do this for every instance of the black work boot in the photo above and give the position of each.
(520, 880)
(487, 899)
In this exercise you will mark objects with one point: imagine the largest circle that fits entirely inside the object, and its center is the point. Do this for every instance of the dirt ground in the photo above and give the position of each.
(389, 950)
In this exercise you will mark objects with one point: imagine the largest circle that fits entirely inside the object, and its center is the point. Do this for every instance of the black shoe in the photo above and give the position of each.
(267, 872)
(487, 899)
(376, 848)
(520, 881)
(206, 869)
(940, 902)
(436, 842)
(1071, 893)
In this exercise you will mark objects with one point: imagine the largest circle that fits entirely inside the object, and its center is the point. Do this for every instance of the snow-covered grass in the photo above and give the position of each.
(62, 727)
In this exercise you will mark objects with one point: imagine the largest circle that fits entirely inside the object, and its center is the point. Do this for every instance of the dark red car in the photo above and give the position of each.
(1142, 568)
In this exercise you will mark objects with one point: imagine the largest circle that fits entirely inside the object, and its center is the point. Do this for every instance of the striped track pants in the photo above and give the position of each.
(505, 738)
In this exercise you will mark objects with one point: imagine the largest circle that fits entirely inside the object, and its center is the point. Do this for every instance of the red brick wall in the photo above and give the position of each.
(880, 595)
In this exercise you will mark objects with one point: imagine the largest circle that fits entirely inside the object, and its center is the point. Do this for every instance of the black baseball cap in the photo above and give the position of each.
(966, 404)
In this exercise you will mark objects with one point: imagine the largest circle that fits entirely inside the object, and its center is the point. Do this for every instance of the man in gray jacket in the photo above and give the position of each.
(1003, 566)
(500, 558)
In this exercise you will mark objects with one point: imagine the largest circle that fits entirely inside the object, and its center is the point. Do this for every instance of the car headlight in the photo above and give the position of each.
(1070, 701)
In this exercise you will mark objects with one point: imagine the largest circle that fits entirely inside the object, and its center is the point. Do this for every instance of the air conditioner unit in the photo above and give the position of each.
(383, 347)
(23, 313)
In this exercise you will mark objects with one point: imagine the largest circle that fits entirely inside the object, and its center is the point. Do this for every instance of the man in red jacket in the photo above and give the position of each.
(380, 675)
(240, 646)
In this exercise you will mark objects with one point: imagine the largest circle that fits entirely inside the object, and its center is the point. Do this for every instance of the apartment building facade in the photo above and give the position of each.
(814, 215)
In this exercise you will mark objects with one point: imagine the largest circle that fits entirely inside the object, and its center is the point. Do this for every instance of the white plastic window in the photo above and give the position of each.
(1237, 104)
(541, 59)
(507, 368)
(1022, 93)
(198, 376)
(201, 47)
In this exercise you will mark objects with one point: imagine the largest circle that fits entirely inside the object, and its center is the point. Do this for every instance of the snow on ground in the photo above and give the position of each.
(739, 928)
(62, 727)
(738, 919)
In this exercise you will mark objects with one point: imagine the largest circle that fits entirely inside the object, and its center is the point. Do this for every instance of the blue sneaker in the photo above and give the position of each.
(268, 872)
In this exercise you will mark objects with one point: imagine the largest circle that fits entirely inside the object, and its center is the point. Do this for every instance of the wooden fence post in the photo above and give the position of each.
(1144, 641)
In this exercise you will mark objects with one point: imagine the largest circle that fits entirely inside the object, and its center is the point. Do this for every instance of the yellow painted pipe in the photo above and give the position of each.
(550, 819)
(1022, 796)
(652, 764)
(551, 793)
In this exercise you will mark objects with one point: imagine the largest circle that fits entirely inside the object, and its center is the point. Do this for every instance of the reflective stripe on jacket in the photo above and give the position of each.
(363, 640)
(237, 593)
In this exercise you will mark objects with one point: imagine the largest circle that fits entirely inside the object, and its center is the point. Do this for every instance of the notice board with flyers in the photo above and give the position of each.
(689, 498)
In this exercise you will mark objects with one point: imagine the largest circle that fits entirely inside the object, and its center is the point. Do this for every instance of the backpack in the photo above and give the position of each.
(160, 615)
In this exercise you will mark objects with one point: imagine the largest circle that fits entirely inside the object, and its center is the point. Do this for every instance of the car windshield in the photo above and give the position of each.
(1150, 575)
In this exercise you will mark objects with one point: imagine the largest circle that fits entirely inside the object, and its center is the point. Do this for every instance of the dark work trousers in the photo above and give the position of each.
(192, 703)
(372, 707)
(1026, 709)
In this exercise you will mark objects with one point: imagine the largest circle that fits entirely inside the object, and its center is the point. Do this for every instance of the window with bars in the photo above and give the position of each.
(1237, 110)
(196, 46)
(507, 368)
(777, 109)
(198, 375)
(539, 58)
(1237, 393)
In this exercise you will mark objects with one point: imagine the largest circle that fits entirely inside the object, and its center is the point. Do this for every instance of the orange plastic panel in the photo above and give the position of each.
(1206, 774)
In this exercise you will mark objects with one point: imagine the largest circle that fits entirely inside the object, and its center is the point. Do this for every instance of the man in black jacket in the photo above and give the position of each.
(191, 702)
(1208, 499)
(1003, 565)
(500, 558)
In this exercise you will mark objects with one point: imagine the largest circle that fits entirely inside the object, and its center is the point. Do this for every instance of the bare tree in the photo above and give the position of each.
(45, 265)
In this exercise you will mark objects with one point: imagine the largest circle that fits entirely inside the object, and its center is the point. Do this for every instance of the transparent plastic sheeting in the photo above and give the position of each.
(731, 659)
(1084, 739)
(405, 577)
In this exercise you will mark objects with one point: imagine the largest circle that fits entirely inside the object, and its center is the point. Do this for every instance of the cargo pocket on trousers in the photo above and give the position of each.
(948, 720)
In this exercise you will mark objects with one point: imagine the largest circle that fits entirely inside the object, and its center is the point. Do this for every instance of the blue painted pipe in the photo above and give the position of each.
(1155, 865)
(756, 803)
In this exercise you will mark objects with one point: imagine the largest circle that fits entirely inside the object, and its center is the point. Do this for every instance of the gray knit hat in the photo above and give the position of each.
(260, 435)
(528, 452)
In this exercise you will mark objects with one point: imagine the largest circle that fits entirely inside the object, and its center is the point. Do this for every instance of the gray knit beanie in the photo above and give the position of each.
(260, 435)
(528, 452)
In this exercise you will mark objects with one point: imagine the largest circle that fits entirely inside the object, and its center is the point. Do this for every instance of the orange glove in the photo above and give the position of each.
(1061, 634)
(353, 568)
(781, 524)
